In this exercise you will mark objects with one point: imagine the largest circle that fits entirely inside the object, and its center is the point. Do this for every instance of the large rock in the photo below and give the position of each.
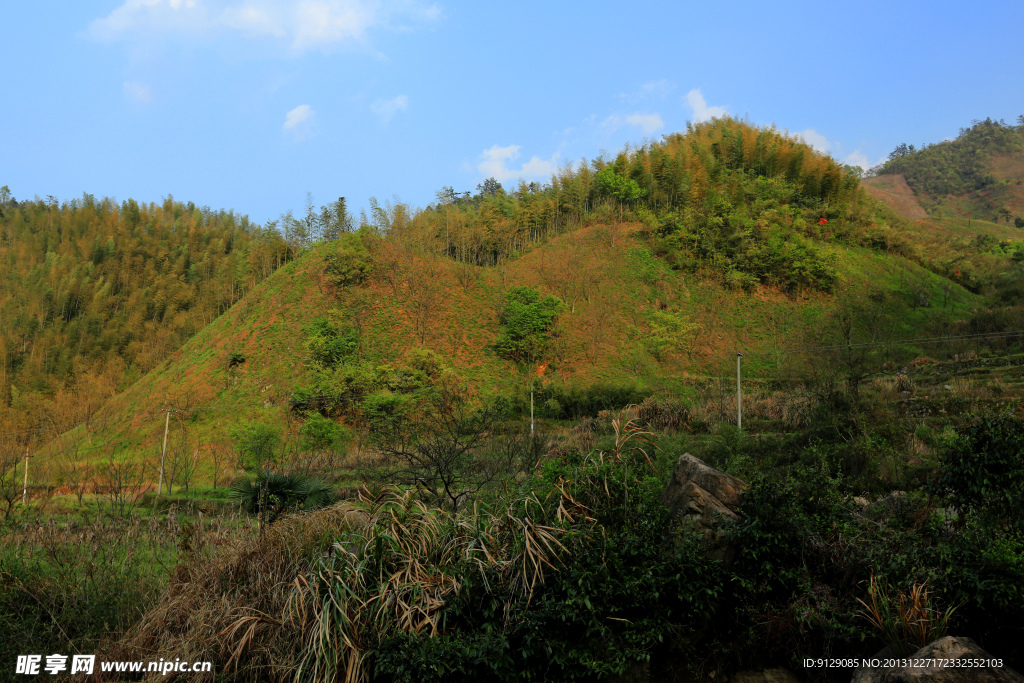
(949, 650)
(706, 500)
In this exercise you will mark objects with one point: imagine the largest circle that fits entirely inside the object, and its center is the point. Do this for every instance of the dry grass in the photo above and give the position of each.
(664, 414)
(399, 571)
(792, 410)
(319, 589)
(229, 600)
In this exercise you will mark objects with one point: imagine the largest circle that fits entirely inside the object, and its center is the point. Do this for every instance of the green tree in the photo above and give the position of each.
(609, 184)
(444, 440)
(983, 471)
(527, 320)
(256, 443)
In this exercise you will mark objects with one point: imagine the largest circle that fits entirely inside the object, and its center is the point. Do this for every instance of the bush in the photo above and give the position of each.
(71, 587)
(348, 261)
(327, 345)
(559, 401)
(626, 589)
(257, 444)
(526, 321)
(271, 495)
(983, 472)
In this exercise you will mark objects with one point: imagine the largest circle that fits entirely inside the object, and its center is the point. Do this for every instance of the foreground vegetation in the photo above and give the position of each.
(572, 569)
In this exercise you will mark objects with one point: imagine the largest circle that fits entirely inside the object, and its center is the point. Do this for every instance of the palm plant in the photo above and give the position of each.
(271, 495)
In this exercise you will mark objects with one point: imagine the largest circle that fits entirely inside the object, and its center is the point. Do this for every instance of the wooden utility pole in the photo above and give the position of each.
(163, 452)
(739, 394)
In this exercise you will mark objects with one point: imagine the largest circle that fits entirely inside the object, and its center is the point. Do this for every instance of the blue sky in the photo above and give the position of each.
(250, 104)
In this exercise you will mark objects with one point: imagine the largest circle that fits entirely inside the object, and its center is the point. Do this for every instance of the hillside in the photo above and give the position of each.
(652, 299)
(532, 376)
(892, 189)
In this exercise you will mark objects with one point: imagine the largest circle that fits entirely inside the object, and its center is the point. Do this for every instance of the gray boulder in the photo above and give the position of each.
(950, 649)
(707, 501)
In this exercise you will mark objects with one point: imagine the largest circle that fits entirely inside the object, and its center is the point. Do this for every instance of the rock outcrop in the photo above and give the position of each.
(706, 500)
(949, 650)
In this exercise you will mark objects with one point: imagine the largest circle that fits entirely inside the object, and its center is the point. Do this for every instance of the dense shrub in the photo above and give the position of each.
(526, 321)
(70, 587)
(348, 260)
(626, 589)
(983, 472)
(327, 344)
(560, 401)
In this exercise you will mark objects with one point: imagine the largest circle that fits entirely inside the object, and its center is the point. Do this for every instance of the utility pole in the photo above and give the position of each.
(163, 452)
(739, 394)
(24, 491)
(531, 409)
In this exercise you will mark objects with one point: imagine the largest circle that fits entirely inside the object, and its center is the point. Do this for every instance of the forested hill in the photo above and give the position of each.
(94, 294)
(749, 204)
(627, 275)
(978, 174)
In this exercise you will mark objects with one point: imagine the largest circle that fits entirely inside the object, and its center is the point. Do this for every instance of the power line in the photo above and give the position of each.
(898, 342)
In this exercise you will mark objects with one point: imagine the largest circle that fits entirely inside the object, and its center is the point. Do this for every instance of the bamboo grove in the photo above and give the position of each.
(698, 178)
(93, 293)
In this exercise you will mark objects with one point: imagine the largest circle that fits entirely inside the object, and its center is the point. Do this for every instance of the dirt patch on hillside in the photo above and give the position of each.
(894, 191)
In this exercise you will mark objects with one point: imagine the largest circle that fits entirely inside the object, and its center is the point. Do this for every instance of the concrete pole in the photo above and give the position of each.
(24, 491)
(531, 409)
(739, 394)
(163, 453)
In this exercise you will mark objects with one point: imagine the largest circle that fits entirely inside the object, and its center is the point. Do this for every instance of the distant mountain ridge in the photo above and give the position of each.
(978, 174)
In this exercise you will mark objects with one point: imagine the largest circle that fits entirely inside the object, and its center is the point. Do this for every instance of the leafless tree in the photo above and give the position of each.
(219, 456)
(450, 445)
(71, 471)
(123, 482)
(9, 489)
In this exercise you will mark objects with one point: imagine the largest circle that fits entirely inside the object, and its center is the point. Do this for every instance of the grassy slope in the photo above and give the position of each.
(609, 281)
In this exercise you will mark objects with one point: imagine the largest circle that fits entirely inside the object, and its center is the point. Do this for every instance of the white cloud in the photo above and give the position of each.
(138, 91)
(300, 24)
(386, 109)
(660, 88)
(495, 165)
(252, 21)
(323, 23)
(858, 158)
(299, 122)
(815, 140)
(133, 15)
(651, 90)
(701, 110)
(647, 123)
